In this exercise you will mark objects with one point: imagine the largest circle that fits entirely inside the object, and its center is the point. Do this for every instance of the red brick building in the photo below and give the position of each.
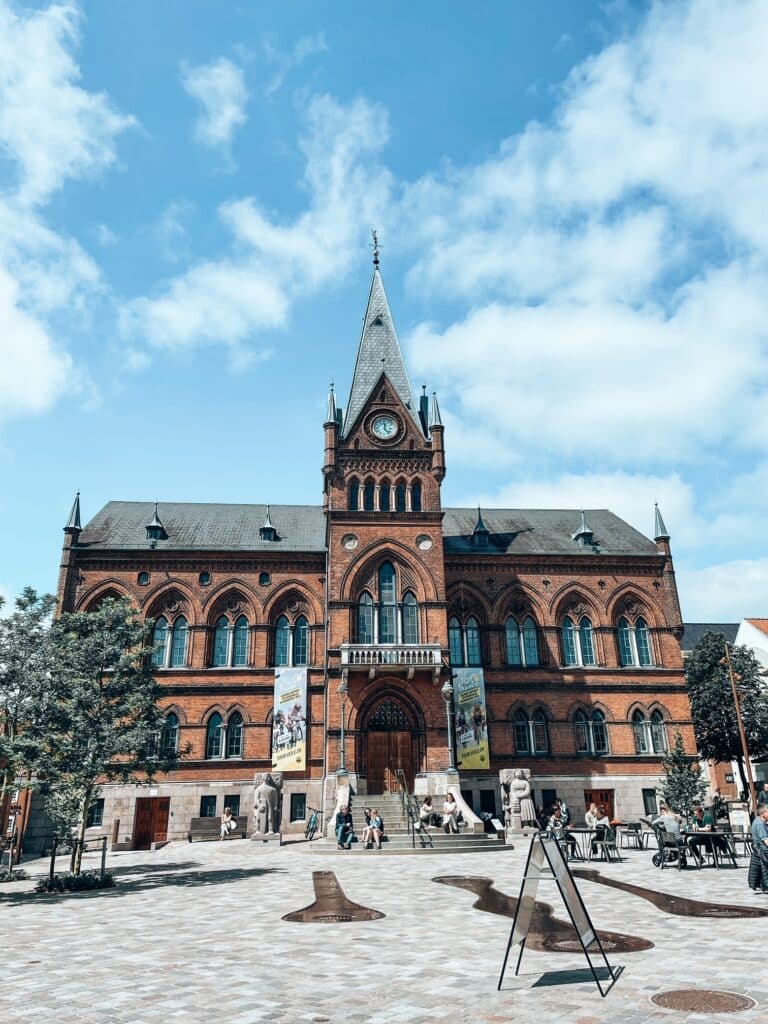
(383, 595)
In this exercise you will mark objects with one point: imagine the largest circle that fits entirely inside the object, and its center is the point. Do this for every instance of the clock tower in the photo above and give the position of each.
(387, 628)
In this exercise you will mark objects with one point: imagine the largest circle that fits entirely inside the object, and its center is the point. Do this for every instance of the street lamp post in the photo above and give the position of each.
(342, 691)
(447, 692)
(739, 721)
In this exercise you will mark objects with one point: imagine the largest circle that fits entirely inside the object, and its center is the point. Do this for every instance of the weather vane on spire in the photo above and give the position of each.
(375, 247)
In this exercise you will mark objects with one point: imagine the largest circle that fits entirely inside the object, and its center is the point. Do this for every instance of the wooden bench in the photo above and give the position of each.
(210, 828)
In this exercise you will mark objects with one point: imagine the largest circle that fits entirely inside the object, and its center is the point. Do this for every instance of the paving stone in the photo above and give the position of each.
(188, 936)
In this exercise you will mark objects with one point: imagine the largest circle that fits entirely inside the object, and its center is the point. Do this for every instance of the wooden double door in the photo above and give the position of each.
(601, 797)
(151, 822)
(388, 752)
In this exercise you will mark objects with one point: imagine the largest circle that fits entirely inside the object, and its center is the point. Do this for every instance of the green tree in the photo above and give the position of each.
(102, 720)
(682, 786)
(712, 707)
(25, 664)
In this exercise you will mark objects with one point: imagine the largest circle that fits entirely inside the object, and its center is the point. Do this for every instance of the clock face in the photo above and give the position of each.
(384, 427)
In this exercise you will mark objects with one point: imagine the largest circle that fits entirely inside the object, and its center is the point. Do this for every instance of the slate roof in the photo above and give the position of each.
(694, 631)
(527, 531)
(379, 351)
(203, 526)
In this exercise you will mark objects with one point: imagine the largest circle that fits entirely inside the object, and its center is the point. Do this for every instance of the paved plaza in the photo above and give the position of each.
(195, 933)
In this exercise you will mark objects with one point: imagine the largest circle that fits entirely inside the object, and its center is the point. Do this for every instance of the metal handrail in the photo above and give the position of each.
(411, 812)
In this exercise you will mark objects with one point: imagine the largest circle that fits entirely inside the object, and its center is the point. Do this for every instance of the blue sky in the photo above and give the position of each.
(570, 198)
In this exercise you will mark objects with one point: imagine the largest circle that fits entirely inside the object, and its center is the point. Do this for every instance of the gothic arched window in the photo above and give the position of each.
(400, 498)
(578, 644)
(464, 641)
(282, 641)
(179, 643)
(301, 641)
(416, 496)
(214, 737)
(159, 642)
(387, 604)
(634, 643)
(643, 642)
(365, 619)
(235, 735)
(590, 733)
(354, 496)
(221, 642)
(410, 619)
(368, 496)
(384, 496)
(169, 736)
(240, 642)
(522, 642)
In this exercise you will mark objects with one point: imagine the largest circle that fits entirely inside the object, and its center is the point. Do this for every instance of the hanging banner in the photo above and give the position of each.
(471, 722)
(289, 722)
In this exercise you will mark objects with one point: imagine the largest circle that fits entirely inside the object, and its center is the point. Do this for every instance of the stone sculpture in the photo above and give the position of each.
(516, 800)
(266, 803)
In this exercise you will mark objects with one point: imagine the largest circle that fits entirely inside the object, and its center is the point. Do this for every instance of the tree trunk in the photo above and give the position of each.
(81, 832)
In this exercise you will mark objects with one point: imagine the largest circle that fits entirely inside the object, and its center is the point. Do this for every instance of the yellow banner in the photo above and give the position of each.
(471, 721)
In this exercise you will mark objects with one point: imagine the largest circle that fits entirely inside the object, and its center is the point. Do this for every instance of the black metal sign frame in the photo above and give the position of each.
(545, 851)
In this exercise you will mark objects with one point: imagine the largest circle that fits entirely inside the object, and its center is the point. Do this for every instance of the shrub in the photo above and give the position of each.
(84, 882)
(14, 875)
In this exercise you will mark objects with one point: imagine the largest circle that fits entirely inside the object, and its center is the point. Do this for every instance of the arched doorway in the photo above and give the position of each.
(390, 744)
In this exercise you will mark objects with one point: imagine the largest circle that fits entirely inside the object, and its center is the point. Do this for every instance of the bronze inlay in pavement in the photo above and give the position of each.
(679, 905)
(331, 905)
(548, 933)
(702, 1000)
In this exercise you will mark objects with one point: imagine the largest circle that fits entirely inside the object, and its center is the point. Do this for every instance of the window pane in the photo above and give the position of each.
(513, 642)
(159, 640)
(643, 643)
(410, 620)
(416, 496)
(240, 643)
(625, 643)
(400, 498)
(387, 623)
(530, 642)
(641, 735)
(282, 641)
(368, 497)
(169, 737)
(179, 643)
(298, 806)
(384, 493)
(540, 736)
(235, 736)
(521, 733)
(387, 583)
(569, 643)
(580, 734)
(473, 643)
(233, 803)
(95, 813)
(354, 495)
(454, 642)
(207, 806)
(220, 637)
(658, 733)
(365, 620)
(301, 642)
(599, 733)
(213, 736)
(587, 644)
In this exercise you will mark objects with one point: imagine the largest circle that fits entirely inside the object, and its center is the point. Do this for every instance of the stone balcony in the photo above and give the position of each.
(377, 659)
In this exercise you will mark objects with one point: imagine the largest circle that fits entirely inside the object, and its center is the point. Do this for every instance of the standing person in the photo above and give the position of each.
(344, 830)
(227, 824)
(758, 866)
(450, 814)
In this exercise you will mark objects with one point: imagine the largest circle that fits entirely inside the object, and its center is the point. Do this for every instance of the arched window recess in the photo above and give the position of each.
(387, 617)
(634, 642)
(224, 740)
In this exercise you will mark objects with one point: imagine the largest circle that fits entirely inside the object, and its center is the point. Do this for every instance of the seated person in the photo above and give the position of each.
(367, 836)
(704, 822)
(426, 812)
(591, 816)
(343, 827)
(669, 820)
(376, 827)
(450, 814)
(557, 827)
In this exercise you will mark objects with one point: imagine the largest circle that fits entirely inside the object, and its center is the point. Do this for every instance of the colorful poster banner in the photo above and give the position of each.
(289, 722)
(471, 721)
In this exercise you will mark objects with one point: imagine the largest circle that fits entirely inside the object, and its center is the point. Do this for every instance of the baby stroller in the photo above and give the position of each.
(672, 848)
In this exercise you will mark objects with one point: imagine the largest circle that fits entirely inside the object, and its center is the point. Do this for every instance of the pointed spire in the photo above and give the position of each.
(73, 523)
(155, 529)
(268, 531)
(480, 535)
(584, 534)
(434, 413)
(332, 413)
(379, 352)
(660, 530)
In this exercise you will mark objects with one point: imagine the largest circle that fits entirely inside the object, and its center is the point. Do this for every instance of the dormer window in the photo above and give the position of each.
(155, 529)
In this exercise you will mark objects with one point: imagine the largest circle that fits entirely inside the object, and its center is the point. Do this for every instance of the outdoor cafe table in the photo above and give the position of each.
(717, 851)
(584, 837)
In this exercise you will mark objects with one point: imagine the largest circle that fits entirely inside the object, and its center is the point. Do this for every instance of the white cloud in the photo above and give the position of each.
(614, 260)
(105, 236)
(272, 264)
(303, 49)
(51, 130)
(50, 127)
(726, 592)
(221, 90)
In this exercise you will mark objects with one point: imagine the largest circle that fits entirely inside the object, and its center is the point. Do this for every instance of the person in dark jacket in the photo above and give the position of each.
(344, 830)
